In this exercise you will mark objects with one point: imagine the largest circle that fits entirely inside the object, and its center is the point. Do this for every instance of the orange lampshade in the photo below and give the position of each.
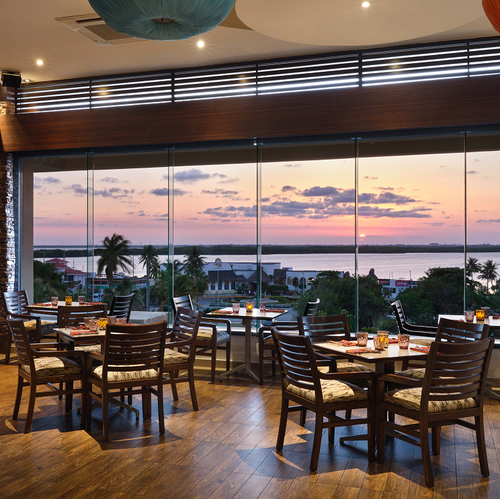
(492, 10)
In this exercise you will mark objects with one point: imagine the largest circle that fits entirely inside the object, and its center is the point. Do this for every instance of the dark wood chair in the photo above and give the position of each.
(132, 360)
(121, 306)
(213, 334)
(451, 391)
(15, 306)
(266, 342)
(409, 328)
(180, 351)
(322, 393)
(47, 368)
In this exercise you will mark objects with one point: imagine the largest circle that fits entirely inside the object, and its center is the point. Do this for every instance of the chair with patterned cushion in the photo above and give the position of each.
(322, 393)
(450, 330)
(451, 393)
(266, 342)
(213, 334)
(15, 306)
(121, 306)
(47, 368)
(180, 351)
(132, 360)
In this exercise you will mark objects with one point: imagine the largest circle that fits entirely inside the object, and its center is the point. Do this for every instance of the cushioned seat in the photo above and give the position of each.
(175, 357)
(410, 398)
(89, 348)
(333, 391)
(413, 373)
(347, 367)
(45, 326)
(124, 375)
(53, 367)
(205, 334)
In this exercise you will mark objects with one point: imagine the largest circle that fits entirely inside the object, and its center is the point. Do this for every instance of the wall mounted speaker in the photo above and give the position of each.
(11, 80)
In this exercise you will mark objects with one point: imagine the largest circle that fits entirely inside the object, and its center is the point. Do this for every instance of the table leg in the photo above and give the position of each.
(247, 365)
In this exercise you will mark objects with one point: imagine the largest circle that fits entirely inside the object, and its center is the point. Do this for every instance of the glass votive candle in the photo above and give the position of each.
(93, 325)
(112, 320)
(379, 342)
(236, 307)
(54, 301)
(469, 316)
(362, 339)
(386, 337)
(81, 299)
(86, 322)
(68, 300)
(249, 306)
(479, 315)
(403, 340)
(121, 321)
(262, 306)
(486, 311)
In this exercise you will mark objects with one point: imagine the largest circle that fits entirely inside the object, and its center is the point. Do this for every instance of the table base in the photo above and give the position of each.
(243, 367)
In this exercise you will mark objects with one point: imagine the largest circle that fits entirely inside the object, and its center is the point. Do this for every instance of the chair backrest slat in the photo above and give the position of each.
(121, 306)
(21, 341)
(73, 315)
(460, 331)
(322, 328)
(184, 301)
(16, 302)
(312, 308)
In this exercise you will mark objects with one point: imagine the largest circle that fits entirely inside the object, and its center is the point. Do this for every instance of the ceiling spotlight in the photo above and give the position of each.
(365, 4)
(201, 44)
(39, 62)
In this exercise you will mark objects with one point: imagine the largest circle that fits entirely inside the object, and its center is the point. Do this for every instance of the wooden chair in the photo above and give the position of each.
(266, 342)
(180, 351)
(452, 390)
(409, 328)
(132, 360)
(121, 306)
(209, 338)
(44, 368)
(450, 330)
(322, 393)
(15, 306)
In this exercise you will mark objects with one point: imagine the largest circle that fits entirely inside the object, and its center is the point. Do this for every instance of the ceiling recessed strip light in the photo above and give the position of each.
(162, 19)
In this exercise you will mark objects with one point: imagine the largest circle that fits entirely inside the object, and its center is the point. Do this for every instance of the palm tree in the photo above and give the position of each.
(489, 273)
(114, 255)
(193, 260)
(472, 266)
(149, 256)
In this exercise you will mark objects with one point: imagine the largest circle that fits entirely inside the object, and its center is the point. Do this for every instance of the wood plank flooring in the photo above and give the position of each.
(225, 450)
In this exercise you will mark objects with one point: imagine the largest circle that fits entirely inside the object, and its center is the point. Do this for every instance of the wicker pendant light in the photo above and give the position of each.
(492, 11)
(162, 19)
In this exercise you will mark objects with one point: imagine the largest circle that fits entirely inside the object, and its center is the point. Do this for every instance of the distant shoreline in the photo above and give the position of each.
(53, 251)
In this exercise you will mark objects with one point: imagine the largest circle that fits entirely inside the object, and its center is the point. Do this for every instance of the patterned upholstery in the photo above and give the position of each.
(422, 341)
(30, 325)
(347, 367)
(413, 373)
(89, 348)
(269, 341)
(121, 376)
(52, 367)
(334, 391)
(410, 399)
(174, 357)
(205, 334)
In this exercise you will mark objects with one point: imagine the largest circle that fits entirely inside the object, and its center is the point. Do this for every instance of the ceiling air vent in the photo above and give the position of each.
(93, 28)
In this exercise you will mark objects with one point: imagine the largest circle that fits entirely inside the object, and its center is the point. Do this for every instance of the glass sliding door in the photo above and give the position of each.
(411, 228)
(308, 221)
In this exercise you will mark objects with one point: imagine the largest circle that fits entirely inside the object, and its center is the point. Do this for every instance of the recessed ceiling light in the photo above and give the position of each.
(365, 4)
(201, 43)
(39, 62)
(26, 80)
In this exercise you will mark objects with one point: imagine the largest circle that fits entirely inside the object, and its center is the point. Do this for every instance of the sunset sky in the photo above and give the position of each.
(402, 200)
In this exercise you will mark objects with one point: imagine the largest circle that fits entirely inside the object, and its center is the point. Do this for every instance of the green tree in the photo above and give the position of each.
(48, 282)
(114, 255)
(295, 283)
(472, 266)
(201, 281)
(193, 260)
(489, 273)
(149, 256)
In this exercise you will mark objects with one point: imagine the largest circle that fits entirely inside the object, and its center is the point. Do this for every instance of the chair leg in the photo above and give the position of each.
(214, 360)
(31, 408)
(69, 397)
(348, 414)
(331, 432)
(174, 387)
(426, 455)
(481, 446)
(228, 356)
(318, 431)
(8, 343)
(283, 420)
(303, 414)
(380, 418)
(192, 388)
(261, 363)
(20, 385)
(161, 417)
(436, 440)
(146, 403)
(273, 363)
(371, 432)
(105, 427)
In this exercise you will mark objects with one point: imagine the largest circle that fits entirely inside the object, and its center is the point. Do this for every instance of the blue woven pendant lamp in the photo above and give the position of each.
(162, 19)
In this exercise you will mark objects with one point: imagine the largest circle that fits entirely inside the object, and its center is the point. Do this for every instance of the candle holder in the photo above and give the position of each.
(68, 300)
(249, 307)
(479, 315)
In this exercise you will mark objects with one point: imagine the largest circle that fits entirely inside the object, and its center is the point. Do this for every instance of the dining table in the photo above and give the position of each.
(382, 360)
(246, 317)
(46, 308)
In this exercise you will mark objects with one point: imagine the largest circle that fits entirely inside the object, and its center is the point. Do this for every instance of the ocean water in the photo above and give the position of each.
(398, 266)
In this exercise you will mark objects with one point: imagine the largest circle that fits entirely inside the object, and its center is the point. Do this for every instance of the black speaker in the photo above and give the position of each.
(10, 80)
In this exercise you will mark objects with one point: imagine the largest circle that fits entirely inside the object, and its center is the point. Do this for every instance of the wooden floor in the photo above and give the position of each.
(225, 450)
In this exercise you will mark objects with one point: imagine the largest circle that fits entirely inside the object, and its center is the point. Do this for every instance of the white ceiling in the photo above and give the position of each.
(28, 31)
